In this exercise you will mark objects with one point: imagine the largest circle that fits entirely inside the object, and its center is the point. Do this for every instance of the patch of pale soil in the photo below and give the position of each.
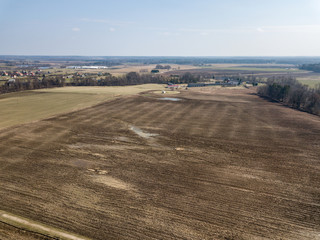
(39, 227)
(81, 163)
(310, 234)
(97, 155)
(88, 152)
(250, 173)
(179, 149)
(142, 133)
(112, 182)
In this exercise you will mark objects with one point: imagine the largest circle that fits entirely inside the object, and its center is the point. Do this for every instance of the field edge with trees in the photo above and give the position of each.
(290, 92)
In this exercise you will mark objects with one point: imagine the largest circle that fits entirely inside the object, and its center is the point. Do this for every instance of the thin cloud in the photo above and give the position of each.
(166, 33)
(155, 28)
(260, 29)
(292, 29)
(106, 21)
(203, 31)
(75, 29)
(112, 29)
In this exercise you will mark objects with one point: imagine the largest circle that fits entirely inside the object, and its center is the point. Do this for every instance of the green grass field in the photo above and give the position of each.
(257, 69)
(310, 81)
(28, 106)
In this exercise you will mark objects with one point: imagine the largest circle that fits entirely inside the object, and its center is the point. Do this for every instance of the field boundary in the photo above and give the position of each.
(271, 100)
(41, 231)
(24, 231)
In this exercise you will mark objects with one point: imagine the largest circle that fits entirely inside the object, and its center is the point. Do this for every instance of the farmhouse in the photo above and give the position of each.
(196, 85)
(173, 86)
(224, 84)
(11, 81)
(230, 83)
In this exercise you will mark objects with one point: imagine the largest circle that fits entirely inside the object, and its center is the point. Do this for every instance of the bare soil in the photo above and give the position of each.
(218, 164)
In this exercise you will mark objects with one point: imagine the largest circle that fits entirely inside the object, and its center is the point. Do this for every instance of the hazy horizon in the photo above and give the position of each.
(186, 56)
(160, 28)
(151, 56)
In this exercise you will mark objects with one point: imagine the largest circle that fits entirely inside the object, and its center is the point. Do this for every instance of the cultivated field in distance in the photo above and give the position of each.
(208, 163)
(220, 70)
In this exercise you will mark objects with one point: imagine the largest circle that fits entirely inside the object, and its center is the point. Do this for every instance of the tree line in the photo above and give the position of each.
(159, 66)
(289, 91)
(131, 78)
(311, 67)
(31, 83)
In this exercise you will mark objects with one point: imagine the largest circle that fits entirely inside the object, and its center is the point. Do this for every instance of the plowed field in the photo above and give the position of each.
(218, 164)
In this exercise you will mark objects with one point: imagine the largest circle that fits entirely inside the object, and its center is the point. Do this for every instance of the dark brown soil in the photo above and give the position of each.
(224, 165)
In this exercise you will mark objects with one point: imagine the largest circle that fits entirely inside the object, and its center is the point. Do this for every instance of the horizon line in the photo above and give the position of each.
(186, 56)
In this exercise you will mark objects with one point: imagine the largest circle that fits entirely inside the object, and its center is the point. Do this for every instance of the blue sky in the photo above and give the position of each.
(160, 28)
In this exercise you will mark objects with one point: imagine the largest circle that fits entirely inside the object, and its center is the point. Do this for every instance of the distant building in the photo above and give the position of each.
(196, 85)
(11, 81)
(173, 86)
(229, 83)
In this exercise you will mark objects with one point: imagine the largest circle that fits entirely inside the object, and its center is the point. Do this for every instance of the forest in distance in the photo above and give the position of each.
(315, 67)
(118, 60)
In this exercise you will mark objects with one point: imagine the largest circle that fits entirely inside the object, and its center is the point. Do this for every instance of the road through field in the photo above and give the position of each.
(218, 164)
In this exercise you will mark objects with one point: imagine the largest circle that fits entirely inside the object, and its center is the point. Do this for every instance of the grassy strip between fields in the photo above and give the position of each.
(27, 106)
(312, 83)
(257, 69)
(35, 228)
